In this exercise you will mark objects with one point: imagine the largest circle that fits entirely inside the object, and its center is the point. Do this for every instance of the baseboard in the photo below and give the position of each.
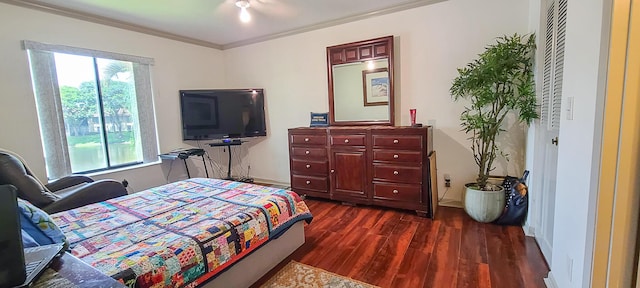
(529, 230)
(550, 282)
(444, 202)
(451, 203)
(270, 182)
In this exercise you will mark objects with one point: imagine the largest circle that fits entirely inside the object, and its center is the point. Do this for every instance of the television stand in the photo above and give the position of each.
(228, 144)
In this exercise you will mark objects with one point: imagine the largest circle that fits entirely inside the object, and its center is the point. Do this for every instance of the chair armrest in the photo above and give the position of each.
(67, 181)
(85, 194)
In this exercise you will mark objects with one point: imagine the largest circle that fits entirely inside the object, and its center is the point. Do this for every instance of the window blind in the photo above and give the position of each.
(48, 101)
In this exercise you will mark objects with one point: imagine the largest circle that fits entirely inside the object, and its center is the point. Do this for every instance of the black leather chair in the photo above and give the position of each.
(63, 194)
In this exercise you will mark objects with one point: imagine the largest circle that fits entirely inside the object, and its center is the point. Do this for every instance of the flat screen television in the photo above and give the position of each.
(222, 113)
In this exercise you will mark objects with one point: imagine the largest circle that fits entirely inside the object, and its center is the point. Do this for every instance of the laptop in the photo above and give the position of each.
(19, 267)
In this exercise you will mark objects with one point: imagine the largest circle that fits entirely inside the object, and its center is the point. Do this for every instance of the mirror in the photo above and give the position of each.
(361, 82)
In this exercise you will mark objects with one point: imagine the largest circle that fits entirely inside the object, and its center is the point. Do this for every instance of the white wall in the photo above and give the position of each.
(430, 43)
(177, 66)
(580, 139)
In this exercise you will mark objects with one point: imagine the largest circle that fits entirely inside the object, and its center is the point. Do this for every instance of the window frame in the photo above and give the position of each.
(48, 102)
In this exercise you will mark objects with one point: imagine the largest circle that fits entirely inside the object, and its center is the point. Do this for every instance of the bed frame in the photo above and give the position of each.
(251, 268)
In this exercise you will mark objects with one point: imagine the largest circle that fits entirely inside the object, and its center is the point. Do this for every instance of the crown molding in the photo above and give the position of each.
(54, 9)
(352, 18)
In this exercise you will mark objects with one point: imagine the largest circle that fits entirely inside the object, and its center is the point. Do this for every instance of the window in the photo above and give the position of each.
(95, 108)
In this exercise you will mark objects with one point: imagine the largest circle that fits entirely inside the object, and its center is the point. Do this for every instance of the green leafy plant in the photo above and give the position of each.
(497, 83)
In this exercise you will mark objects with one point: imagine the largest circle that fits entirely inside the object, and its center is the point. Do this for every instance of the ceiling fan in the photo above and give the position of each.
(265, 7)
(244, 14)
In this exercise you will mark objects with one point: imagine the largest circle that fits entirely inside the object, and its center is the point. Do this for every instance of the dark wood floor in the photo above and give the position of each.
(394, 248)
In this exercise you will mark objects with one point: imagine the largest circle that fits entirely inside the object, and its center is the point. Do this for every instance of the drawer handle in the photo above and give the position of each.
(307, 152)
(333, 171)
(395, 191)
(395, 156)
(346, 140)
(306, 139)
(308, 166)
(396, 172)
(308, 182)
(396, 141)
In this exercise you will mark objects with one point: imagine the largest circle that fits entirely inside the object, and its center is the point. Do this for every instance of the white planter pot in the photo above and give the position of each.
(484, 206)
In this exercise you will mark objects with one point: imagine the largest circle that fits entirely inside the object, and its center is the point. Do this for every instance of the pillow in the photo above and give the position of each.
(27, 240)
(39, 225)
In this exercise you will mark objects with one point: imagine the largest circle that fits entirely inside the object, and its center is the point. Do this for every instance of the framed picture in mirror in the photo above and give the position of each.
(375, 87)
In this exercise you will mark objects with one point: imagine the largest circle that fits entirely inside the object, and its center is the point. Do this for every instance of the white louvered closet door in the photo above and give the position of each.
(549, 126)
(556, 23)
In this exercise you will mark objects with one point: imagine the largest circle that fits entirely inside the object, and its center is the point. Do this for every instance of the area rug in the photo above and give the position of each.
(299, 275)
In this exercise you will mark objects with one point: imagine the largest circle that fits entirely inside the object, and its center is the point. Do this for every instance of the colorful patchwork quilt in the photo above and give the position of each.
(180, 234)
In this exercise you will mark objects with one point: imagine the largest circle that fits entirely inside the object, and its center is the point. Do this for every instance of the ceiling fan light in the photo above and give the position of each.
(244, 15)
(243, 4)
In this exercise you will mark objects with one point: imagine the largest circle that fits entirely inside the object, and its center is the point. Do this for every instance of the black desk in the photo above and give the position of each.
(184, 156)
(228, 145)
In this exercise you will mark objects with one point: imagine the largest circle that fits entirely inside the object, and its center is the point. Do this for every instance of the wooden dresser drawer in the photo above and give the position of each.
(397, 192)
(312, 193)
(397, 156)
(308, 139)
(306, 167)
(309, 182)
(401, 174)
(409, 142)
(348, 140)
(308, 152)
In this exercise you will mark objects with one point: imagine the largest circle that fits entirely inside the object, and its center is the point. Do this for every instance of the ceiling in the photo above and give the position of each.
(216, 23)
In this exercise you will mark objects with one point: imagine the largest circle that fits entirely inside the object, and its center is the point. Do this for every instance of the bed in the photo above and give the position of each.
(181, 234)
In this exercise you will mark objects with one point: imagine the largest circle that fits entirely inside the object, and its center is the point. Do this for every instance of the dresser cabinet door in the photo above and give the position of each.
(348, 174)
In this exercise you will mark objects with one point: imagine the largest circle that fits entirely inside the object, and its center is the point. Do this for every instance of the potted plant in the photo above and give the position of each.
(496, 84)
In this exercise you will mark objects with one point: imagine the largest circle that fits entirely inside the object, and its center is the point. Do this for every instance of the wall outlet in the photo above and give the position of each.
(447, 180)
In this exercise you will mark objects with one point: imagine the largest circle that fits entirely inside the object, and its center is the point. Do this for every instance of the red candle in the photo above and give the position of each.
(413, 116)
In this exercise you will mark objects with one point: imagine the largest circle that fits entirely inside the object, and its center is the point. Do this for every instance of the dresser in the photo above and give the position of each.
(372, 165)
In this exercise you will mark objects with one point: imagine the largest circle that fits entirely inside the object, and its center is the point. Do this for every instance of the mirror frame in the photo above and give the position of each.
(372, 49)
